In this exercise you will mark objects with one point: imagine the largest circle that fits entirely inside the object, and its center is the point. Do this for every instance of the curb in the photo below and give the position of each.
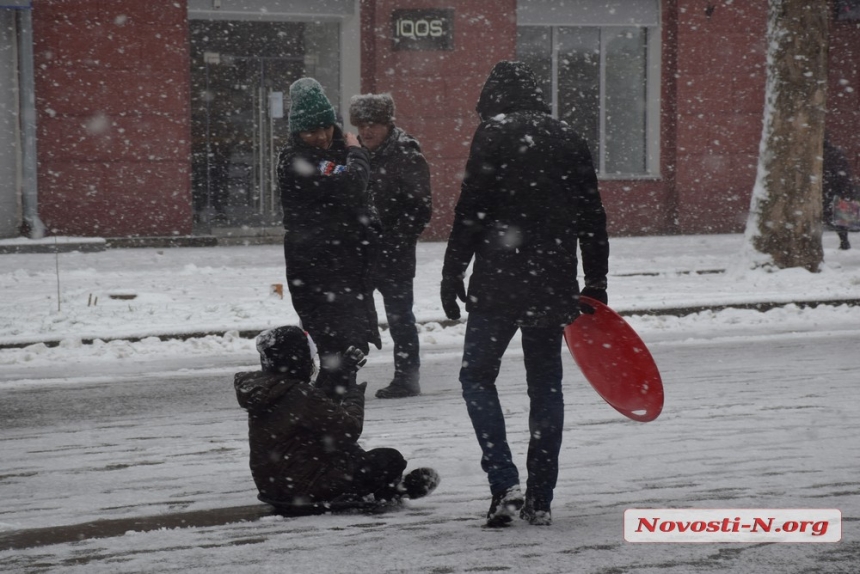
(113, 527)
(222, 238)
(672, 311)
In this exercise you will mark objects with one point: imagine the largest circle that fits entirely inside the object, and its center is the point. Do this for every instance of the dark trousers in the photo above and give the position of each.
(334, 328)
(378, 471)
(357, 474)
(487, 337)
(397, 296)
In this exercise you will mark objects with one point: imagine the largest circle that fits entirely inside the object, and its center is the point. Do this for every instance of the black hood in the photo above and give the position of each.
(510, 87)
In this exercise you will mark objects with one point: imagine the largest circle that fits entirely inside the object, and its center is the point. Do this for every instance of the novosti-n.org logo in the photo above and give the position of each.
(732, 525)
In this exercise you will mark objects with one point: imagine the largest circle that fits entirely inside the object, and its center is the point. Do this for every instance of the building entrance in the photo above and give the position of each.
(240, 74)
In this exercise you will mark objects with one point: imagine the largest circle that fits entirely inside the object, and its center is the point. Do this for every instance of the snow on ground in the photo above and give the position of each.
(224, 291)
(760, 413)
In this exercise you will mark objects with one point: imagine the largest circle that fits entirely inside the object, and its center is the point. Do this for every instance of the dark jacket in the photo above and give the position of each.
(837, 182)
(329, 225)
(302, 443)
(528, 197)
(400, 191)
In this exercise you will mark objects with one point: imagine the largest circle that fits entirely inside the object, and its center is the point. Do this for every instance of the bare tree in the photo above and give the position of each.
(785, 213)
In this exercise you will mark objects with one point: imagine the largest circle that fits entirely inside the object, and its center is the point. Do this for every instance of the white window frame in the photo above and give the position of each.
(604, 14)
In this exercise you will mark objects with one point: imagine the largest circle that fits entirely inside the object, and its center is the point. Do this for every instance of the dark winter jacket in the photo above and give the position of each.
(302, 443)
(528, 197)
(400, 191)
(329, 225)
(837, 180)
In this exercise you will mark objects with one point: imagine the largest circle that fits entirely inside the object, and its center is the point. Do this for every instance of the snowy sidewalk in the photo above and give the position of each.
(133, 294)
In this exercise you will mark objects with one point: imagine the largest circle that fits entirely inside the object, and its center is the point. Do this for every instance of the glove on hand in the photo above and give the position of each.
(353, 360)
(599, 294)
(452, 289)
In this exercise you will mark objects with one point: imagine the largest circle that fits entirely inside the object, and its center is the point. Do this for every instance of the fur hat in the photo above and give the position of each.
(287, 350)
(309, 107)
(371, 109)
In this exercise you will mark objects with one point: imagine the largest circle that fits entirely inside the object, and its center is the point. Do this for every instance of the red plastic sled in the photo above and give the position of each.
(616, 362)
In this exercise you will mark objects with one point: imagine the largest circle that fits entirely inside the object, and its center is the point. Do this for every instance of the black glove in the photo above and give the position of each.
(353, 360)
(452, 289)
(599, 294)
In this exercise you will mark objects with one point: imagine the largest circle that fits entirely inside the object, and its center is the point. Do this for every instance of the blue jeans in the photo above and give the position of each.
(487, 337)
(397, 296)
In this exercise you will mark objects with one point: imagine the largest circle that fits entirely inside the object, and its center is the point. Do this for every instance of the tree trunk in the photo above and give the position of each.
(785, 216)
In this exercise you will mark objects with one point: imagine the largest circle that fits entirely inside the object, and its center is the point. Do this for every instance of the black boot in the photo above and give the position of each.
(536, 511)
(421, 482)
(400, 387)
(504, 506)
(843, 240)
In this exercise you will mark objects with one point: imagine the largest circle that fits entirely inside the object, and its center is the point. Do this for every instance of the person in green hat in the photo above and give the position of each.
(330, 228)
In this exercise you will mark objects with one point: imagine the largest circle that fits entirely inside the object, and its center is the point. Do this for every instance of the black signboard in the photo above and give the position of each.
(430, 29)
(848, 10)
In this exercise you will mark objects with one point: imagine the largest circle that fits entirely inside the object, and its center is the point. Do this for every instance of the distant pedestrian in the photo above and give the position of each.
(529, 196)
(399, 189)
(304, 445)
(323, 174)
(837, 184)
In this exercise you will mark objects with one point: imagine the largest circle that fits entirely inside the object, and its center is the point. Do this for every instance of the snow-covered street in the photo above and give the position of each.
(759, 414)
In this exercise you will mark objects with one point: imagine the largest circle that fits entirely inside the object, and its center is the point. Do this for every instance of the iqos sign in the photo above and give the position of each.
(431, 29)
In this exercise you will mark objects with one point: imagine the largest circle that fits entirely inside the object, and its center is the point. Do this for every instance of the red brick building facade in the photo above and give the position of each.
(116, 92)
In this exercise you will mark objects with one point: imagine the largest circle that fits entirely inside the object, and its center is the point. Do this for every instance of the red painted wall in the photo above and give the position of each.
(112, 94)
(843, 98)
(721, 74)
(720, 107)
(112, 91)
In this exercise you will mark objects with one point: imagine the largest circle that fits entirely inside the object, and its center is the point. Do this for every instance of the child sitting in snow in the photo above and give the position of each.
(304, 445)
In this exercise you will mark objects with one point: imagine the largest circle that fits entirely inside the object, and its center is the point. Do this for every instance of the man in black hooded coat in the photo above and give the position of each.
(528, 198)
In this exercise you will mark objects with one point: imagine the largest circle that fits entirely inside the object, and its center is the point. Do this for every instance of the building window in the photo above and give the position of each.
(603, 80)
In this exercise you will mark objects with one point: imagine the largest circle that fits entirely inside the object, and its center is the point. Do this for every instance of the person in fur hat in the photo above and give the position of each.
(399, 189)
(304, 444)
(330, 228)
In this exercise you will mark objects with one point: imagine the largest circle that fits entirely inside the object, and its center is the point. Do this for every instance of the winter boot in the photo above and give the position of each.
(399, 388)
(504, 506)
(843, 240)
(536, 511)
(421, 482)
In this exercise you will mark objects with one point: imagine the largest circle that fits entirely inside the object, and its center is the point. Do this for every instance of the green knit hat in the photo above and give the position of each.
(309, 109)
